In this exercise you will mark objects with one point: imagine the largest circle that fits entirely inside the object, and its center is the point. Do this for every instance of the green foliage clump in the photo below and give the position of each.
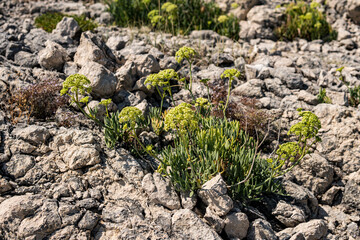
(174, 16)
(48, 21)
(322, 98)
(201, 144)
(304, 20)
(354, 92)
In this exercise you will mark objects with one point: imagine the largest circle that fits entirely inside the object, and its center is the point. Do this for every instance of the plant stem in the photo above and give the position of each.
(228, 97)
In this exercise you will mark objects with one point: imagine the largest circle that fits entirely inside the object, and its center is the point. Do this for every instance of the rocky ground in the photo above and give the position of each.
(63, 183)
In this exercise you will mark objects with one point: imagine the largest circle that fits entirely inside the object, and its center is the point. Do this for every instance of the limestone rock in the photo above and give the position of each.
(103, 82)
(93, 49)
(34, 134)
(313, 230)
(261, 229)
(214, 194)
(18, 165)
(289, 215)
(187, 225)
(236, 225)
(161, 191)
(53, 56)
(67, 27)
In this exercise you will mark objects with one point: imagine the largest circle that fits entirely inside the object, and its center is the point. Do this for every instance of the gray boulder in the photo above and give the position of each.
(289, 215)
(33, 134)
(14, 209)
(53, 56)
(161, 191)
(18, 165)
(236, 225)
(315, 173)
(313, 230)
(187, 225)
(261, 229)
(353, 8)
(103, 82)
(93, 49)
(352, 190)
(67, 27)
(214, 194)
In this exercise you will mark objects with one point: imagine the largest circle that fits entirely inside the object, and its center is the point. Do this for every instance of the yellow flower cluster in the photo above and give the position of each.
(129, 116)
(202, 102)
(76, 83)
(185, 53)
(223, 18)
(181, 118)
(230, 73)
(161, 78)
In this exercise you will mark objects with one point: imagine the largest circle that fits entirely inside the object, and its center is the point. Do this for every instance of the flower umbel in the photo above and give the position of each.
(76, 83)
(129, 116)
(181, 118)
(185, 53)
(202, 102)
(161, 78)
(231, 73)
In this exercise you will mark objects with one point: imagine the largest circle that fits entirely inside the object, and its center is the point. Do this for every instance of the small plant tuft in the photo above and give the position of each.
(48, 21)
(306, 21)
(322, 98)
(39, 100)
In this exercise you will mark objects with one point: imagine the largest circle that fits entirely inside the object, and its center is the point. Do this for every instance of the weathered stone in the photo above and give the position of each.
(312, 230)
(261, 229)
(43, 223)
(13, 210)
(303, 197)
(315, 173)
(67, 27)
(18, 165)
(93, 49)
(352, 190)
(353, 7)
(117, 42)
(103, 82)
(79, 157)
(161, 191)
(88, 221)
(146, 64)
(188, 202)
(53, 56)
(123, 162)
(126, 76)
(4, 185)
(187, 225)
(26, 59)
(33, 134)
(214, 220)
(214, 194)
(236, 225)
(289, 215)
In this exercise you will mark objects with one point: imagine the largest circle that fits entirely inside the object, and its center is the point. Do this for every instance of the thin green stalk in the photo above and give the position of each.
(228, 97)
(148, 152)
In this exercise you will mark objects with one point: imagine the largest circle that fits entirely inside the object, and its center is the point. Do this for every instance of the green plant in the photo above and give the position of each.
(321, 97)
(304, 20)
(161, 80)
(230, 74)
(188, 54)
(290, 154)
(174, 16)
(48, 21)
(354, 92)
